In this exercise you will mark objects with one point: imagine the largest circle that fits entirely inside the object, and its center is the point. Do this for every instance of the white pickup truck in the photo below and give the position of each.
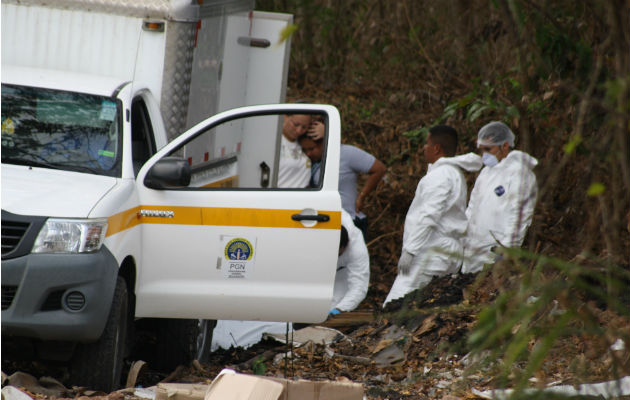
(106, 222)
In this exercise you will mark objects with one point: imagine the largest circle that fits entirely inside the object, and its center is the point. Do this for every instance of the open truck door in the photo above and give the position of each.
(226, 241)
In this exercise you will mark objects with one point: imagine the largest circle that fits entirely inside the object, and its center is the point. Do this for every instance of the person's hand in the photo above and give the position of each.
(333, 312)
(317, 130)
(404, 263)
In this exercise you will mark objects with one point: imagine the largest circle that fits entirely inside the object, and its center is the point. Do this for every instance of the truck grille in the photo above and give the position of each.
(12, 233)
(8, 293)
(19, 233)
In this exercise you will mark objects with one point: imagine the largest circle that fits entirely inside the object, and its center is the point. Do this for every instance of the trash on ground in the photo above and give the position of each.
(315, 334)
(607, 390)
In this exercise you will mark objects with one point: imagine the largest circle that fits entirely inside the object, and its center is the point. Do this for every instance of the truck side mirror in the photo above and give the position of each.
(169, 172)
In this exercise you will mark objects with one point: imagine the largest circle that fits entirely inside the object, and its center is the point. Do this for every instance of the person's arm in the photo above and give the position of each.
(522, 193)
(376, 173)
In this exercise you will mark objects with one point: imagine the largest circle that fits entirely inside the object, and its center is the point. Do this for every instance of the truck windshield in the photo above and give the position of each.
(61, 130)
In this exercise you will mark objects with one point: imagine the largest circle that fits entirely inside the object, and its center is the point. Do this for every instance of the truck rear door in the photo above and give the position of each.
(240, 59)
(231, 245)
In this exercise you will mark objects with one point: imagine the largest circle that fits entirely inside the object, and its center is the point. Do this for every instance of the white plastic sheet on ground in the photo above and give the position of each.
(620, 387)
(13, 393)
(243, 333)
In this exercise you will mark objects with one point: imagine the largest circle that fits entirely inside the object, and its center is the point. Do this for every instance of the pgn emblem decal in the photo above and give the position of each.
(239, 249)
(499, 190)
(239, 257)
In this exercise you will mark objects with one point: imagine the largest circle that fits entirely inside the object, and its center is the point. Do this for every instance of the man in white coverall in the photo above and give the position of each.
(502, 202)
(436, 220)
(353, 268)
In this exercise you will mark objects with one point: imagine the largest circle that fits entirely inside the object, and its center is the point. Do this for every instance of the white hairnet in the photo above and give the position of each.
(495, 134)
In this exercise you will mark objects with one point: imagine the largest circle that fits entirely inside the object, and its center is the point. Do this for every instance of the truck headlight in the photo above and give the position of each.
(70, 236)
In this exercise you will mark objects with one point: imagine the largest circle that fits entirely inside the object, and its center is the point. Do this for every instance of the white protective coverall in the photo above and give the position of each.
(353, 269)
(436, 223)
(500, 208)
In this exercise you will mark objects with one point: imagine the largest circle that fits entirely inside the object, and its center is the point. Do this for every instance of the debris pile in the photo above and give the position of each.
(414, 348)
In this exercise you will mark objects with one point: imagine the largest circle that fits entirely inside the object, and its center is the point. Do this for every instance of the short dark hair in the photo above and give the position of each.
(306, 136)
(446, 137)
(343, 238)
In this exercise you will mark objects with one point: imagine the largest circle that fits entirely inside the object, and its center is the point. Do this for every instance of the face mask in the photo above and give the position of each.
(489, 160)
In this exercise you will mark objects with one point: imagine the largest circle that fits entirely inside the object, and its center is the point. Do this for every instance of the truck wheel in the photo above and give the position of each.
(179, 341)
(99, 365)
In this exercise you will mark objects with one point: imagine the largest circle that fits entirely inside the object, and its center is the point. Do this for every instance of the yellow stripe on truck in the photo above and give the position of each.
(215, 216)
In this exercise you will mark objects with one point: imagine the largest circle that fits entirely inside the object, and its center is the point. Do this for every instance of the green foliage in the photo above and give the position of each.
(572, 144)
(482, 101)
(418, 135)
(287, 32)
(368, 112)
(561, 49)
(538, 108)
(526, 320)
(616, 89)
(596, 189)
(259, 367)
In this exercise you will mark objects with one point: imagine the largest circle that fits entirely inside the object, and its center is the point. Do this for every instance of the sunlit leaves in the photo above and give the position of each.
(572, 144)
(596, 189)
(287, 32)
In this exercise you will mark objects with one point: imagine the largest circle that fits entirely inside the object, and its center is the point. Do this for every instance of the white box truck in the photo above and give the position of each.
(112, 216)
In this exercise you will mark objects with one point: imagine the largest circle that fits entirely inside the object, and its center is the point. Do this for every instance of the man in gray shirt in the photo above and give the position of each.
(353, 162)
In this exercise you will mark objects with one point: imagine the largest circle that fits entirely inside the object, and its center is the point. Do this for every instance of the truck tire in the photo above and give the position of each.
(179, 341)
(98, 365)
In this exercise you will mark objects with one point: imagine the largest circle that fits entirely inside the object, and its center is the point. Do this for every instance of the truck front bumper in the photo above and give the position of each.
(58, 296)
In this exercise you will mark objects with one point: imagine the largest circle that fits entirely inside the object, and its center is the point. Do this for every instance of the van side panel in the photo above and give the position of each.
(69, 40)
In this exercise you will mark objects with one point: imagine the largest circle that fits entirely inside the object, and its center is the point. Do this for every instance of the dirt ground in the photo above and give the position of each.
(415, 348)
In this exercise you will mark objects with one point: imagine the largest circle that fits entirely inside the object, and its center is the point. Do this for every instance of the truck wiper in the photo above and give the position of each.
(41, 164)
(77, 168)
(29, 163)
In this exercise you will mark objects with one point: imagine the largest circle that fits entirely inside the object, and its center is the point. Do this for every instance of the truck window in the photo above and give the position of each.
(142, 142)
(61, 130)
(245, 153)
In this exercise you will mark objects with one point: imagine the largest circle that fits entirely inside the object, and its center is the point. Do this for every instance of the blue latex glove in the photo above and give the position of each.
(334, 311)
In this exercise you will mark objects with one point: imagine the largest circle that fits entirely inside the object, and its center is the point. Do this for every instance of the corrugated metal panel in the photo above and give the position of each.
(180, 41)
(206, 70)
(223, 7)
(69, 40)
(165, 9)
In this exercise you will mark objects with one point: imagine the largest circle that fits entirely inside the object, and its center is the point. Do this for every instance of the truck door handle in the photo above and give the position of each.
(318, 217)
(253, 42)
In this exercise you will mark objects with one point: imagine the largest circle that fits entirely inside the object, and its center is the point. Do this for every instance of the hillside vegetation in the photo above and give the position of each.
(557, 72)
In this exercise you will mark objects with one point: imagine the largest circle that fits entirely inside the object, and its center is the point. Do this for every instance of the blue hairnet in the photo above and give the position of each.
(495, 134)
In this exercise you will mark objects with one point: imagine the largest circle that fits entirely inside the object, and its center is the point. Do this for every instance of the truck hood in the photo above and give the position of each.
(52, 193)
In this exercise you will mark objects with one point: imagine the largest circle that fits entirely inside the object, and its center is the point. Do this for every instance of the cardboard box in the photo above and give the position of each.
(229, 385)
(234, 386)
(180, 391)
(319, 390)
